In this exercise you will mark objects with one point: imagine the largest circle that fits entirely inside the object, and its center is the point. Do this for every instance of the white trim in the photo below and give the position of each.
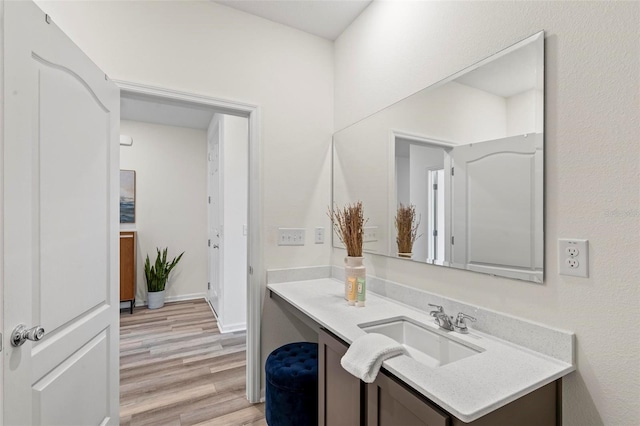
(178, 298)
(254, 252)
(415, 137)
(240, 326)
(2, 113)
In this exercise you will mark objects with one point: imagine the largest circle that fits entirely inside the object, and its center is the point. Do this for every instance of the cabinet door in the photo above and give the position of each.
(390, 404)
(127, 265)
(340, 394)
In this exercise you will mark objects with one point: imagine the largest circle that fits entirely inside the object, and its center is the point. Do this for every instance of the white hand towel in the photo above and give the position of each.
(366, 354)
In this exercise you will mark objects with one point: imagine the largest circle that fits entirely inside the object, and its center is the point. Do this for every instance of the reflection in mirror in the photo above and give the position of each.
(467, 153)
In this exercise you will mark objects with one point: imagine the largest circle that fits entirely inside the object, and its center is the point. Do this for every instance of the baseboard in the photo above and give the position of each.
(177, 298)
(240, 326)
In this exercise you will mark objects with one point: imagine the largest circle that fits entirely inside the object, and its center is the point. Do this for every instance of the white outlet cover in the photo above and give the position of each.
(573, 257)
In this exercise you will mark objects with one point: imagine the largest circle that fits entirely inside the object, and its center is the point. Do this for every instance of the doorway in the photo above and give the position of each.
(253, 251)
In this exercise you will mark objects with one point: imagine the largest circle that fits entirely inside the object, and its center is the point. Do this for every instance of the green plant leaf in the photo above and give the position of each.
(157, 274)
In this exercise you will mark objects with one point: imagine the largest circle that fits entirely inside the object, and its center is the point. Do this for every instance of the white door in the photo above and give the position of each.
(215, 216)
(494, 205)
(60, 172)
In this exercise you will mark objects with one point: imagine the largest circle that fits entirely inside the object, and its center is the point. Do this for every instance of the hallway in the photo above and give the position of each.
(177, 369)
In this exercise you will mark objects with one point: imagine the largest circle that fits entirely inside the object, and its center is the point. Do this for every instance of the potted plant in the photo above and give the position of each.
(157, 276)
(407, 229)
(348, 224)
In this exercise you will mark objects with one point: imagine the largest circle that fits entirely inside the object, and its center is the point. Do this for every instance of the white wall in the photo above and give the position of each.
(171, 207)
(592, 167)
(206, 48)
(521, 113)
(234, 161)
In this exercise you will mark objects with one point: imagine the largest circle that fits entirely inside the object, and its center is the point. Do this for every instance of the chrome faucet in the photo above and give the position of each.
(442, 319)
(447, 322)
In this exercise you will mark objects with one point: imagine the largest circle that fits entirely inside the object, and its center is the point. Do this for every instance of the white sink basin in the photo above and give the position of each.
(431, 347)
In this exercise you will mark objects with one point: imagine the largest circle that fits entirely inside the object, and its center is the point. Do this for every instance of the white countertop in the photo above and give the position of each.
(468, 388)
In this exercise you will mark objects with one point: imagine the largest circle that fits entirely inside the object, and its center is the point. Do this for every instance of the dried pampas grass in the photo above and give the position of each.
(348, 224)
(407, 228)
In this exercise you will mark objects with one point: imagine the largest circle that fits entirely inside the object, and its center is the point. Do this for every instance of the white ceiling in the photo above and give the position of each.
(324, 18)
(507, 75)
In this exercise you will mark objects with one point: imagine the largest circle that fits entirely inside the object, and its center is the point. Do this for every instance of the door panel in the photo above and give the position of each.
(60, 230)
(87, 369)
(495, 203)
(72, 196)
(215, 225)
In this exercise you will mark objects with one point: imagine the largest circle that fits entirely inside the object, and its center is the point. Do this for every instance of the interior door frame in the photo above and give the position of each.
(254, 231)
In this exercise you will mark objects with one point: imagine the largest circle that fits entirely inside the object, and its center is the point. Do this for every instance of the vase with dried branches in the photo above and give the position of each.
(348, 224)
(407, 229)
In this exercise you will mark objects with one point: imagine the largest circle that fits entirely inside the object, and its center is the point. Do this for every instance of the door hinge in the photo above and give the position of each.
(250, 270)
(209, 243)
(452, 173)
(435, 232)
(452, 240)
(209, 200)
(0, 342)
(208, 286)
(435, 186)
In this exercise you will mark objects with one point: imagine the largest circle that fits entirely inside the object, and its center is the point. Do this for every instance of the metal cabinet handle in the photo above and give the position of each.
(21, 334)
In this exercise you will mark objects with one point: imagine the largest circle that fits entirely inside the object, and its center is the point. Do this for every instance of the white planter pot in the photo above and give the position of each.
(155, 299)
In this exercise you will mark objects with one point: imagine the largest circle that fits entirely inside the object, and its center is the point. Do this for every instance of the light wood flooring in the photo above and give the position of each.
(177, 369)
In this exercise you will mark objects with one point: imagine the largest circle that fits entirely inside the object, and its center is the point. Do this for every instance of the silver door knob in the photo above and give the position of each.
(21, 334)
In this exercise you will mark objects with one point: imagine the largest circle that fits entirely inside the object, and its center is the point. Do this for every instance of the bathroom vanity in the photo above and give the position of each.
(448, 378)
(388, 401)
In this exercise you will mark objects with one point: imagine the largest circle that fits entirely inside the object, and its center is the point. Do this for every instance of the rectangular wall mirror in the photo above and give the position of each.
(467, 154)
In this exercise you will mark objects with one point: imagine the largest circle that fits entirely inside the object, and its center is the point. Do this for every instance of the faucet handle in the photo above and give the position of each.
(440, 309)
(460, 325)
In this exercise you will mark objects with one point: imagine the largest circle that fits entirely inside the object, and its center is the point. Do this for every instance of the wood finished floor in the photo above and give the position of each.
(177, 369)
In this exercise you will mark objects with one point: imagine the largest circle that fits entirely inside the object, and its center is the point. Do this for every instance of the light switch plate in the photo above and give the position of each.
(370, 234)
(573, 257)
(290, 236)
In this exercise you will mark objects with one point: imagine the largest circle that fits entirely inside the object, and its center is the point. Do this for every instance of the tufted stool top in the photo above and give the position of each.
(293, 366)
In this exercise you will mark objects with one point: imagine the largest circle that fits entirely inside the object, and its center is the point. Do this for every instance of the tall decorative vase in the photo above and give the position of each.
(155, 299)
(353, 268)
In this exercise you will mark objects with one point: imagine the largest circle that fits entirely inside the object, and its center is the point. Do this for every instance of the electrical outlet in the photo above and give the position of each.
(572, 251)
(319, 235)
(290, 236)
(573, 257)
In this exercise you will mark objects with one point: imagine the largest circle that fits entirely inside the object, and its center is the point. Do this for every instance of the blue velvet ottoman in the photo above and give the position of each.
(292, 385)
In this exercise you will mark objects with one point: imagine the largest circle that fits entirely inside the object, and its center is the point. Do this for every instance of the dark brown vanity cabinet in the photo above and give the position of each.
(390, 404)
(340, 394)
(345, 400)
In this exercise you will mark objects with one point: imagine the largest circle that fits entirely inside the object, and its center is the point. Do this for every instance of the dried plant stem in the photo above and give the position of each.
(407, 228)
(348, 224)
